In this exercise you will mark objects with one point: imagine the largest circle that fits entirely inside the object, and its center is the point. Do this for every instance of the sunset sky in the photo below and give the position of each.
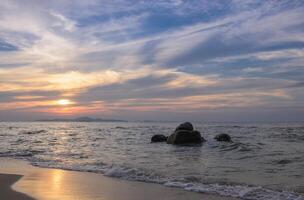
(202, 60)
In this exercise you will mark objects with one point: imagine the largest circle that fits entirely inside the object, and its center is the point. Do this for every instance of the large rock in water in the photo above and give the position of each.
(223, 137)
(159, 138)
(184, 134)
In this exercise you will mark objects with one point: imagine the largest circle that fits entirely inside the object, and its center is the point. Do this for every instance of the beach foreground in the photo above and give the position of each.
(51, 184)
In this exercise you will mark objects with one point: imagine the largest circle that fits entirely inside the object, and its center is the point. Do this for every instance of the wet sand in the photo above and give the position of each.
(51, 184)
(6, 192)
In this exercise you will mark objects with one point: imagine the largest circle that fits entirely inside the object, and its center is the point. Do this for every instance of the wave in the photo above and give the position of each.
(238, 191)
(235, 146)
(21, 154)
(244, 192)
(290, 134)
(34, 132)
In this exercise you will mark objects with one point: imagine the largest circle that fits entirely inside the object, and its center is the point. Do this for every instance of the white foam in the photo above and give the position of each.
(243, 192)
(133, 174)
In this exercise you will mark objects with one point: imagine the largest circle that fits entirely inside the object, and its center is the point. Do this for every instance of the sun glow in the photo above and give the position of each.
(64, 102)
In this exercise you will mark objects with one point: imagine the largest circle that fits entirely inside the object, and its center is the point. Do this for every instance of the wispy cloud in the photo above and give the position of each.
(115, 56)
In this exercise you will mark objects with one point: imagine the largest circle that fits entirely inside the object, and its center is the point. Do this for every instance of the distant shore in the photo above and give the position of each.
(81, 119)
(51, 184)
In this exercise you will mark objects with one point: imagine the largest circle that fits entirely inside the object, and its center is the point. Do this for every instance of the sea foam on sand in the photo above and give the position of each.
(51, 184)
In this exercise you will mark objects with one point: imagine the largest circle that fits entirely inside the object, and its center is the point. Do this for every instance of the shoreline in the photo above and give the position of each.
(51, 184)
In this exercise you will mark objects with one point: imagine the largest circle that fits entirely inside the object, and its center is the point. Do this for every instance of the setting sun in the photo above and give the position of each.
(64, 102)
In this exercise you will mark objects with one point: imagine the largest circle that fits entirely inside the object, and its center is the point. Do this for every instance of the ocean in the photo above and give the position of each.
(264, 161)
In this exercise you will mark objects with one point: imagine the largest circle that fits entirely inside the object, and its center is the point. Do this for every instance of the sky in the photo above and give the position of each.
(174, 60)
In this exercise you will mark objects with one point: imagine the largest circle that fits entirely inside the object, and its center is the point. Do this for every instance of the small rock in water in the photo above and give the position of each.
(223, 137)
(34, 132)
(159, 138)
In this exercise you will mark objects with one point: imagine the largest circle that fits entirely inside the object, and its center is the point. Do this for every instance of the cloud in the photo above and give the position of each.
(116, 56)
(4, 46)
(242, 34)
(253, 69)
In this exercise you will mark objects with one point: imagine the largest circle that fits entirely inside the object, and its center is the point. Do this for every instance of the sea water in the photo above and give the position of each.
(264, 161)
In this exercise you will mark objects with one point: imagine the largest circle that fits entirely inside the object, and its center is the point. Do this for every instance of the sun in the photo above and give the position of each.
(64, 102)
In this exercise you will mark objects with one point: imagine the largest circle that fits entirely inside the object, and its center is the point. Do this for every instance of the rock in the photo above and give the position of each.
(185, 126)
(223, 137)
(34, 132)
(159, 138)
(185, 137)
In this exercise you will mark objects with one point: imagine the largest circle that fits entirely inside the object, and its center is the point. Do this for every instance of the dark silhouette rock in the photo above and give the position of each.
(223, 137)
(185, 126)
(159, 138)
(34, 132)
(185, 137)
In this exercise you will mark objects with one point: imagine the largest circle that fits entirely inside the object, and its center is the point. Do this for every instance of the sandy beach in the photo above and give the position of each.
(50, 184)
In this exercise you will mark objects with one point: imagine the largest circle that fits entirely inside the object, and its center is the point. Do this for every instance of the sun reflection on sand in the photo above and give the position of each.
(53, 185)
(56, 178)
